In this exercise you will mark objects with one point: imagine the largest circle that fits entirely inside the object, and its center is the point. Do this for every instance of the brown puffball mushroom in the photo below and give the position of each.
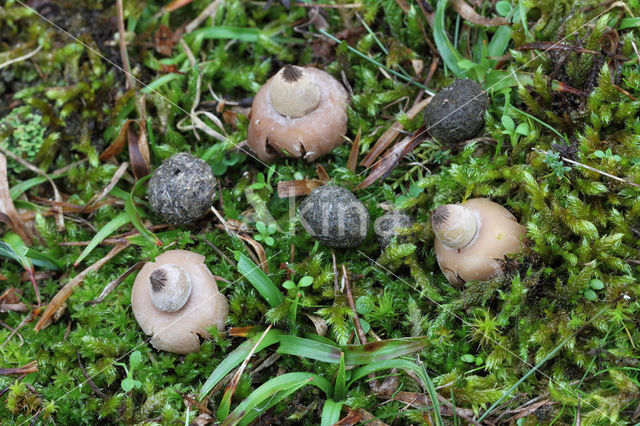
(473, 237)
(175, 299)
(300, 112)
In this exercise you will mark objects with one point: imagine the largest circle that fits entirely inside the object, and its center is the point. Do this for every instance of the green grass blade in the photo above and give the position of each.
(272, 392)
(403, 364)
(383, 350)
(306, 348)
(235, 357)
(159, 82)
(19, 189)
(627, 23)
(42, 260)
(330, 412)
(433, 395)
(134, 217)
(259, 280)
(499, 42)
(354, 354)
(112, 226)
(340, 388)
(447, 51)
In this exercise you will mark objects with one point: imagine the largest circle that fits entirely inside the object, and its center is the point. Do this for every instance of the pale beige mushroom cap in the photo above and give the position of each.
(497, 234)
(272, 134)
(178, 331)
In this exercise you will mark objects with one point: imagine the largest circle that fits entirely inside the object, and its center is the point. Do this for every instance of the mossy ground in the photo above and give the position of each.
(68, 103)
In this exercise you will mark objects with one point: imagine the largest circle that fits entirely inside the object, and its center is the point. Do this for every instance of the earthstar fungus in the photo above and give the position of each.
(299, 112)
(175, 299)
(473, 237)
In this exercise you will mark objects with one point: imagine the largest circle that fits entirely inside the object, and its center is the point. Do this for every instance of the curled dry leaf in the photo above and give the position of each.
(259, 251)
(392, 157)
(10, 214)
(138, 147)
(114, 181)
(319, 323)
(469, 14)
(391, 134)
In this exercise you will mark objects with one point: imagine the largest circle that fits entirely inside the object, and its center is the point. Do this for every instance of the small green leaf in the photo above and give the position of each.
(507, 123)
(269, 241)
(330, 412)
(271, 228)
(135, 359)
(134, 217)
(503, 8)
(590, 295)
(522, 129)
(289, 285)
(596, 284)
(261, 227)
(129, 383)
(468, 358)
(305, 281)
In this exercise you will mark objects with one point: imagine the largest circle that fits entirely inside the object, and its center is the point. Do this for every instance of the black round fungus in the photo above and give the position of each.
(387, 226)
(182, 189)
(456, 113)
(335, 217)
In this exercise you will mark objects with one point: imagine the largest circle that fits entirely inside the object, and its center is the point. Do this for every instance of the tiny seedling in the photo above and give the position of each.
(471, 359)
(590, 292)
(607, 155)
(555, 163)
(262, 182)
(305, 281)
(129, 383)
(265, 233)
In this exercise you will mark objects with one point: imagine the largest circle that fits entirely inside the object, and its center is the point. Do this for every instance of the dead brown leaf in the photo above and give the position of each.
(390, 135)
(259, 251)
(63, 294)
(295, 188)
(470, 14)
(353, 155)
(164, 39)
(7, 207)
(359, 416)
(31, 367)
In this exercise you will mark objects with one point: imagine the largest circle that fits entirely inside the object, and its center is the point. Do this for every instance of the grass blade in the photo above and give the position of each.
(447, 51)
(272, 392)
(433, 396)
(330, 412)
(112, 226)
(259, 280)
(134, 217)
(292, 345)
(340, 388)
(403, 364)
(19, 189)
(235, 357)
(354, 354)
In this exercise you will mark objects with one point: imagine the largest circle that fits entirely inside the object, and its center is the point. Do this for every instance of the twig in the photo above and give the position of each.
(86, 376)
(592, 169)
(209, 11)
(356, 319)
(20, 58)
(123, 46)
(115, 283)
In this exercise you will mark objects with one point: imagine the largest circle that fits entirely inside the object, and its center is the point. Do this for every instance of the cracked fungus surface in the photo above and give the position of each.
(335, 217)
(456, 113)
(182, 189)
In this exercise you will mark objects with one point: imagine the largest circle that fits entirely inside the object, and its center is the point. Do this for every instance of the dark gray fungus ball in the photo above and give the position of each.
(182, 189)
(335, 217)
(390, 225)
(456, 113)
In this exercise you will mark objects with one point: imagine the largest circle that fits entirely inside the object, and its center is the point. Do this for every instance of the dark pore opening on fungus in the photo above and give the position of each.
(158, 279)
(291, 74)
(439, 215)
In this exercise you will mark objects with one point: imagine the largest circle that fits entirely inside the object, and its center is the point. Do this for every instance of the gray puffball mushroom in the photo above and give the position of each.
(388, 225)
(182, 189)
(335, 217)
(456, 113)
